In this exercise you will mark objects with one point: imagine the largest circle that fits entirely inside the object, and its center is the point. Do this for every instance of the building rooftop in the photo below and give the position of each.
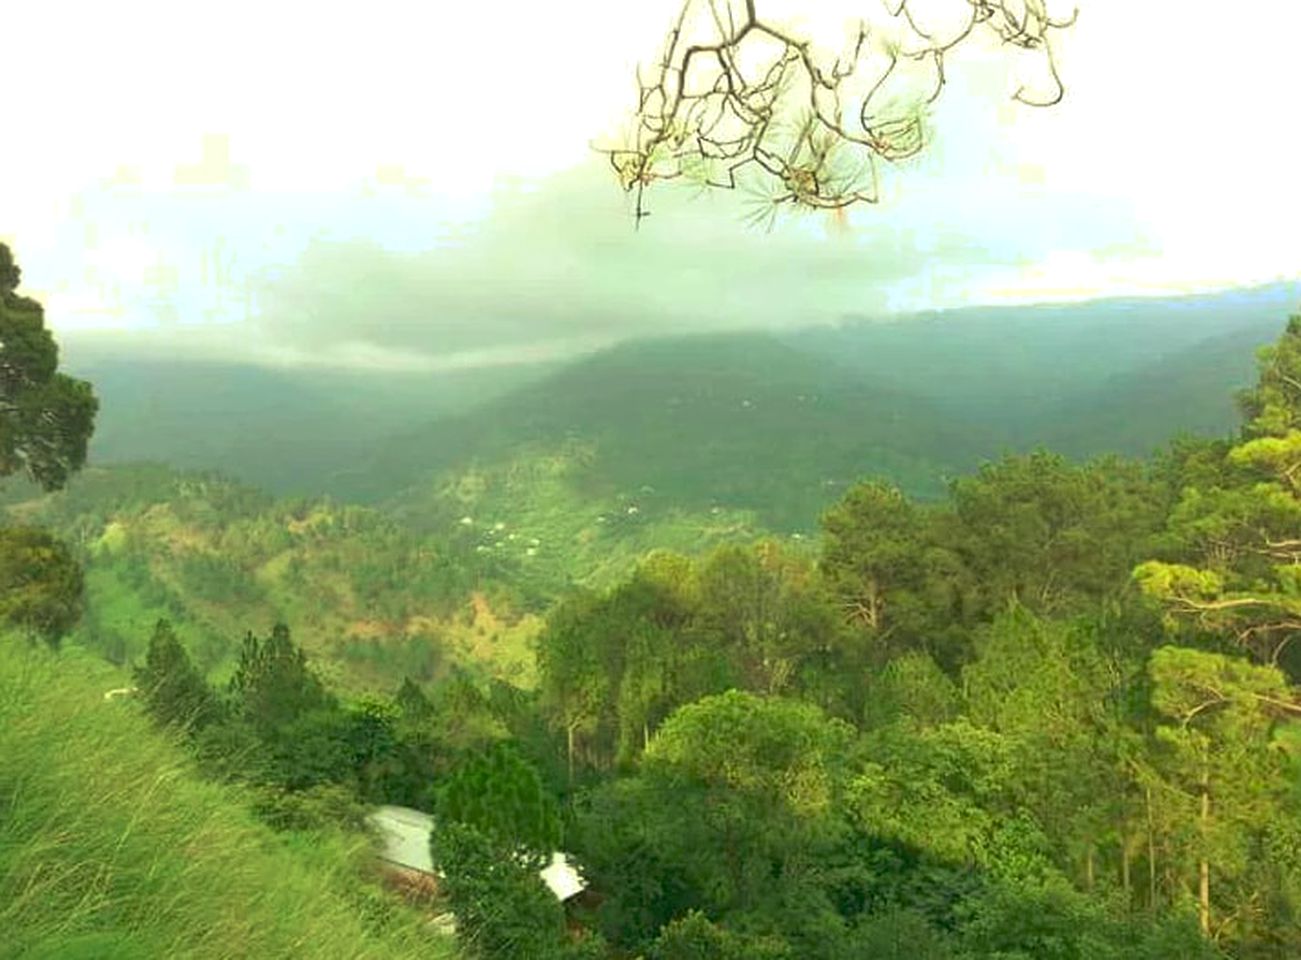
(405, 833)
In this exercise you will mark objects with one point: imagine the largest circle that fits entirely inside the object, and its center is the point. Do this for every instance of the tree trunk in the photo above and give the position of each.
(569, 737)
(1151, 856)
(1088, 869)
(1125, 880)
(1204, 866)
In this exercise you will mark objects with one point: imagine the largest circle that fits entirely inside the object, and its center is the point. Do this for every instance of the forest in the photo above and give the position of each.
(1048, 715)
(908, 571)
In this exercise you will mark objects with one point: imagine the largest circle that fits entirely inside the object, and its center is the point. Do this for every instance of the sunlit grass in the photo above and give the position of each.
(112, 847)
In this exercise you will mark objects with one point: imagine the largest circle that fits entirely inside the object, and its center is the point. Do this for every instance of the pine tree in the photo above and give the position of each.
(272, 684)
(173, 689)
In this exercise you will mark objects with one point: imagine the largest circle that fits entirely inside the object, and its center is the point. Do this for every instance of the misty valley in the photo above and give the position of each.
(846, 642)
(675, 480)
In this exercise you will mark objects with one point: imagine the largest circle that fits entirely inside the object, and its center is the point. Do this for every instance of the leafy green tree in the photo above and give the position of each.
(573, 681)
(1047, 687)
(764, 606)
(42, 587)
(1241, 570)
(730, 813)
(1221, 768)
(897, 934)
(696, 937)
(499, 794)
(910, 688)
(173, 689)
(873, 557)
(946, 791)
(46, 417)
(462, 718)
(503, 909)
(1056, 537)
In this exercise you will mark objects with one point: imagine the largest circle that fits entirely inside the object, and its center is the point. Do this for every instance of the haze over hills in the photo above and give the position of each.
(775, 424)
(284, 429)
(738, 421)
(1030, 369)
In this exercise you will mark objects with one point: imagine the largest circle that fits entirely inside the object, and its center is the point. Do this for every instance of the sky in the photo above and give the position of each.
(414, 185)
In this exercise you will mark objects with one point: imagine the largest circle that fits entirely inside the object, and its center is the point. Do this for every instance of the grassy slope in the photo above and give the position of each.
(110, 847)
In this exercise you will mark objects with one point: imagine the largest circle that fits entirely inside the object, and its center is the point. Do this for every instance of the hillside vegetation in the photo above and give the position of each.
(112, 848)
(774, 427)
(963, 706)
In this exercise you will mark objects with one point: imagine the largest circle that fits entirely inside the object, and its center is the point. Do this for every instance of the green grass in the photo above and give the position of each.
(112, 847)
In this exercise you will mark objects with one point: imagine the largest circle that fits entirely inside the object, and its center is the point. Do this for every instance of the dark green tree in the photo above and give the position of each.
(503, 909)
(272, 684)
(499, 794)
(1057, 537)
(696, 937)
(46, 417)
(41, 584)
(172, 688)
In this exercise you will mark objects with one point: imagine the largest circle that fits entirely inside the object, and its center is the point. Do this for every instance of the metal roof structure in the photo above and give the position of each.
(405, 834)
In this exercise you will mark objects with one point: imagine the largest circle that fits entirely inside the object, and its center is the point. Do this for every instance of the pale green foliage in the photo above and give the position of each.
(938, 789)
(911, 688)
(1244, 537)
(781, 750)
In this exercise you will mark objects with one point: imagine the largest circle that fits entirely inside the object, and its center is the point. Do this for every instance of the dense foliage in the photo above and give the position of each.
(46, 417)
(1051, 715)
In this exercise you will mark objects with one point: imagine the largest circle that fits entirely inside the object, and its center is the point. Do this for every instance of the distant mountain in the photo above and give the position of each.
(286, 430)
(1191, 391)
(772, 426)
(734, 422)
(1030, 371)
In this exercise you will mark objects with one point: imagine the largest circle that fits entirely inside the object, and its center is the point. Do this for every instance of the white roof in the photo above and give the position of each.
(405, 835)
(561, 877)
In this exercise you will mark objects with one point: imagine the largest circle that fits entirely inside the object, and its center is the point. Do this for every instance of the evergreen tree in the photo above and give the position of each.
(503, 909)
(499, 794)
(1241, 537)
(46, 417)
(41, 584)
(272, 684)
(173, 689)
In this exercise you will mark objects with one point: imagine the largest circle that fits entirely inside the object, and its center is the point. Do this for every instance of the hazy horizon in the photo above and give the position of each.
(391, 214)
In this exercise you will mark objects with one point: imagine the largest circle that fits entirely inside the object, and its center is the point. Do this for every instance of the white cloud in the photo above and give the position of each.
(1170, 164)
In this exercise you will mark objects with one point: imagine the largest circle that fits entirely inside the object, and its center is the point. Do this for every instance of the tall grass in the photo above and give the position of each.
(111, 846)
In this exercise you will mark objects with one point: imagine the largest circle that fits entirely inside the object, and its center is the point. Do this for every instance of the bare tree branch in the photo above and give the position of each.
(796, 133)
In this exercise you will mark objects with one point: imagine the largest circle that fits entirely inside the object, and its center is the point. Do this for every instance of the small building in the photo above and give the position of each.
(404, 834)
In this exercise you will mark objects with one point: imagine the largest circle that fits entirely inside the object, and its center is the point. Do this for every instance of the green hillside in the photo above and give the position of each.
(727, 422)
(371, 601)
(1024, 368)
(285, 430)
(446, 577)
(1189, 391)
(111, 847)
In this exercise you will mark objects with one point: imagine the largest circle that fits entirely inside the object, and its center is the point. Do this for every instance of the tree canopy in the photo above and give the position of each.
(46, 417)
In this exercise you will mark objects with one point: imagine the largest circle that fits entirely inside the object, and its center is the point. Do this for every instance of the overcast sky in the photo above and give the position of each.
(413, 183)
